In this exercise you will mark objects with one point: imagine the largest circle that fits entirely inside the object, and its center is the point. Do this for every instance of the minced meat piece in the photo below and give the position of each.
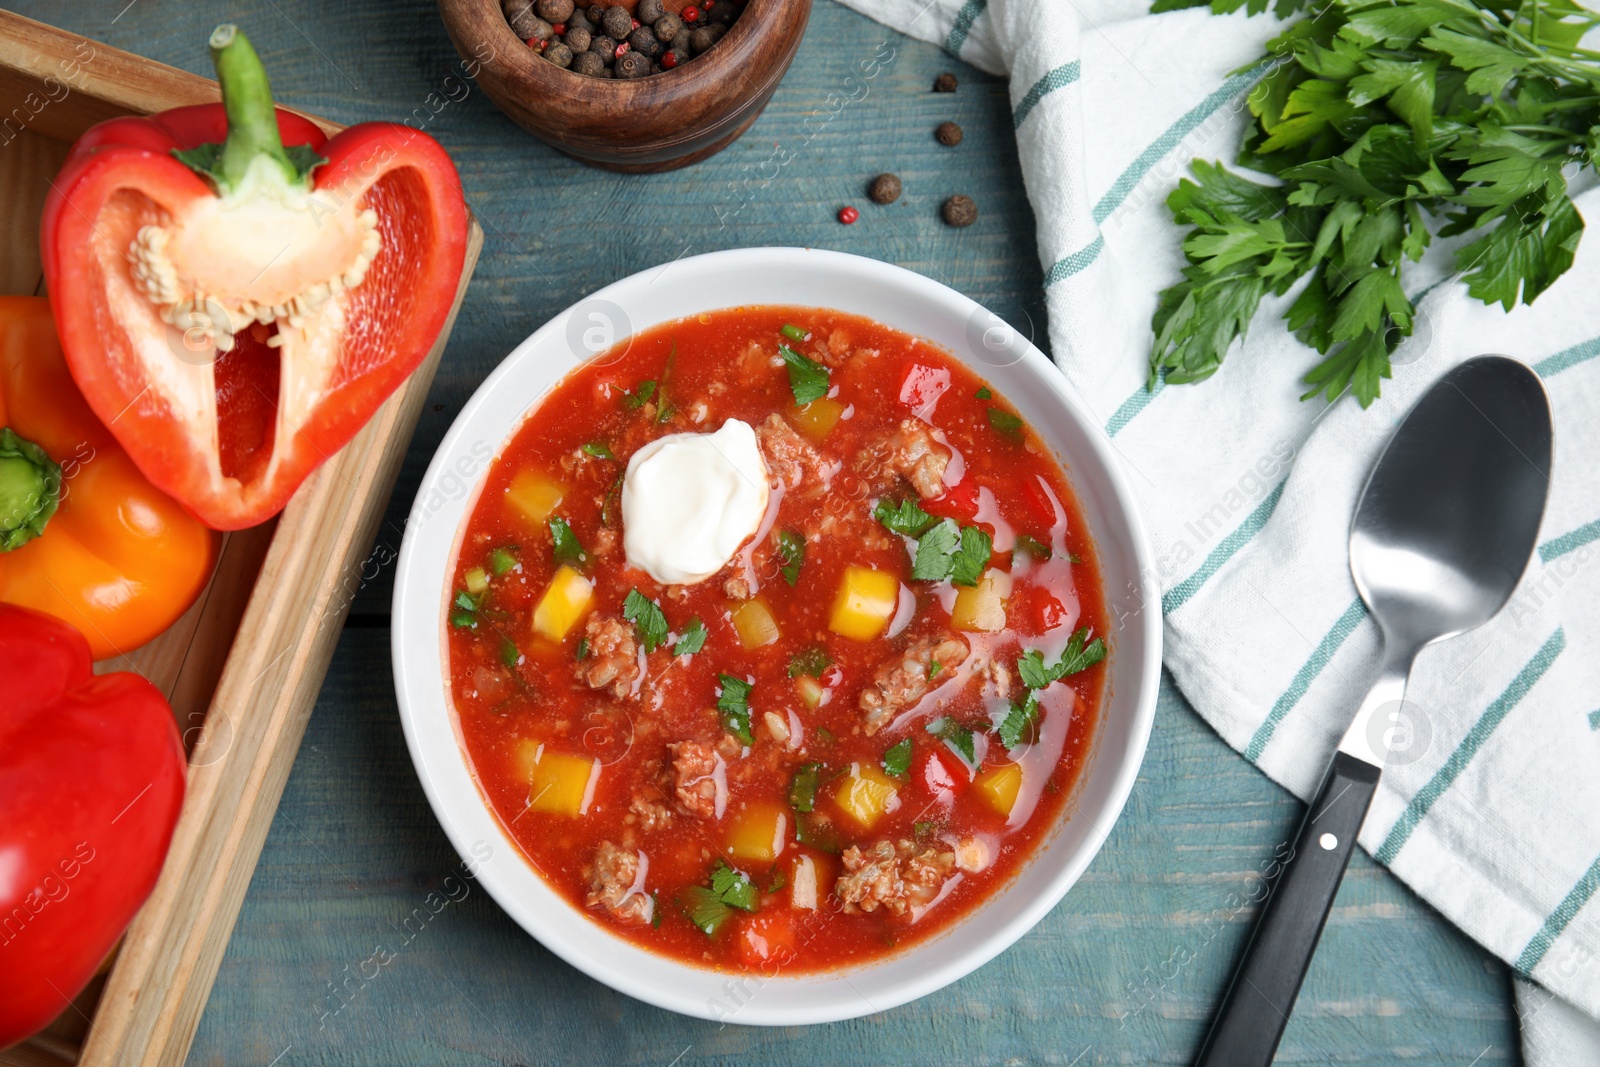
(903, 681)
(649, 800)
(894, 876)
(911, 452)
(790, 457)
(613, 657)
(616, 884)
(701, 782)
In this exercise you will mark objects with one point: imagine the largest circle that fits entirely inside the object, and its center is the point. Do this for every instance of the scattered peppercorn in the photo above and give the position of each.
(885, 189)
(959, 211)
(945, 83)
(848, 215)
(948, 134)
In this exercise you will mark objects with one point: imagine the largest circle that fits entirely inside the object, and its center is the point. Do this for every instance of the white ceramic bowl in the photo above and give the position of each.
(792, 276)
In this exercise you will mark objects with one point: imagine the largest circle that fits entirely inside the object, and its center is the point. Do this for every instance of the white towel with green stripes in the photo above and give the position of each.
(1491, 809)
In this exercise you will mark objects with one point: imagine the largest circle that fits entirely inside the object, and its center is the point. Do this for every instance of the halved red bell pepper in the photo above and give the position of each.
(237, 294)
(91, 780)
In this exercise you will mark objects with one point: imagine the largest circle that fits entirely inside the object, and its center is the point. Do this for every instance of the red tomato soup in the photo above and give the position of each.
(853, 733)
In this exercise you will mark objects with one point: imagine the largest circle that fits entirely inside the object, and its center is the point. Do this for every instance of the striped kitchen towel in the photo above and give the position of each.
(1490, 808)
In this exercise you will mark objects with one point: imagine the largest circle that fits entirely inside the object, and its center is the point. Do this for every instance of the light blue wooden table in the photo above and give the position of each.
(1125, 971)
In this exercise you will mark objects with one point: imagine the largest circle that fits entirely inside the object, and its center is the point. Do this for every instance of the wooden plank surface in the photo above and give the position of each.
(1126, 970)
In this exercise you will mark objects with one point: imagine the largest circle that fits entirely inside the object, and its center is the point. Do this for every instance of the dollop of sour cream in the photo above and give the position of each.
(690, 500)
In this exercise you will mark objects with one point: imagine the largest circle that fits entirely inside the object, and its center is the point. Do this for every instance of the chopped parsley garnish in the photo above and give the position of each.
(710, 908)
(693, 638)
(733, 887)
(897, 761)
(1080, 654)
(1032, 546)
(734, 704)
(583, 648)
(803, 788)
(983, 393)
(934, 667)
(1006, 424)
(793, 332)
(608, 513)
(958, 737)
(1073, 557)
(779, 880)
(792, 549)
(466, 601)
(825, 735)
(647, 619)
(905, 518)
(509, 654)
(936, 549)
(502, 560)
(812, 661)
(465, 619)
(639, 397)
(599, 450)
(808, 379)
(1020, 721)
(565, 542)
(924, 830)
(971, 557)
(655, 912)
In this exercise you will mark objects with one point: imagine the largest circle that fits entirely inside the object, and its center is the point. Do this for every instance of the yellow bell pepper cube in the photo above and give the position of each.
(810, 690)
(999, 786)
(760, 832)
(557, 783)
(865, 603)
(818, 417)
(866, 794)
(982, 607)
(534, 496)
(477, 580)
(563, 604)
(754, 623)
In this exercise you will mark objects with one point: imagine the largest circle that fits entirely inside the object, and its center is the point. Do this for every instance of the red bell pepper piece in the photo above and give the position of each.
(91, 779)
(921, 386)
(237, 294)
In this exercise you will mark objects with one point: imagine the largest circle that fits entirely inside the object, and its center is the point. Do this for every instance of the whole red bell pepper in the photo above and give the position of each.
(237, 294)
(91, 779)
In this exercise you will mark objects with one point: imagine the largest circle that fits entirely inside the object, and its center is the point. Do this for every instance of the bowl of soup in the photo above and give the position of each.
(774, 636)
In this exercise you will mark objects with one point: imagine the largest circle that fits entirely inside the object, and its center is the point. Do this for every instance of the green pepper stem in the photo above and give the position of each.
(30, 490)
(247, 99)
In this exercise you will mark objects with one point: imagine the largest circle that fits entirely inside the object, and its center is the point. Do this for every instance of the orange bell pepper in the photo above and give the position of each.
(83, 535)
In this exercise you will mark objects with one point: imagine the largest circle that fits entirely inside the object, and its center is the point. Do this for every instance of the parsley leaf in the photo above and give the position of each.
(906, 518)
(734, 704)
(1079, 655)
(897, 761)
(693, 638)
(792, 550)
(640, 396)
(502, 560)
(647, 619)
(812, 661)
(599, 450)
(936, 550)
(733, 887)
(582, 651)
(983, 393)
(958, 737)
(565, 542)
(971, 557)
(1033, 547)
(808, 379)
(934, 667)
(803, 788)
(1020, 721)
(466, 601)
(509, 654)
(1006, 424)
(705, 909)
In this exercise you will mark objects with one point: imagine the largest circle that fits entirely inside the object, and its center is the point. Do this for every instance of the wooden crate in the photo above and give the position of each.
(242, 668)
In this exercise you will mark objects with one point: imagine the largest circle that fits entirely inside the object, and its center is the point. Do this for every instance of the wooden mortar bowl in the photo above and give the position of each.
(655, 123)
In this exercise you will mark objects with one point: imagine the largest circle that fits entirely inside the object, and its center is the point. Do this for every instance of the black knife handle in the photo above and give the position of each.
(1250, 1022)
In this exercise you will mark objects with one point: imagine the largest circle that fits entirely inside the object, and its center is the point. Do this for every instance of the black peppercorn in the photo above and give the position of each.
(554, 10)
(885, 189)
(559, 54)
(680, 47)
(722, 12)
(522, 17)
(667, 28)
(959, 211)
(703, 38)
(596, 14)
(632, 65)
(578, 20)
(617, 22)
(649, 10)
(643, 40)
(945, 83)
(604, 47)
(948, 134)
(588, 63)
(579, 39)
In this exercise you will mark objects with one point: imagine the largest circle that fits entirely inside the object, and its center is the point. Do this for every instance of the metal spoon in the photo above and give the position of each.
(1443, 532)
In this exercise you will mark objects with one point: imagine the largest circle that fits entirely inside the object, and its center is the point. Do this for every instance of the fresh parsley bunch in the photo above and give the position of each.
(1378, 119)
